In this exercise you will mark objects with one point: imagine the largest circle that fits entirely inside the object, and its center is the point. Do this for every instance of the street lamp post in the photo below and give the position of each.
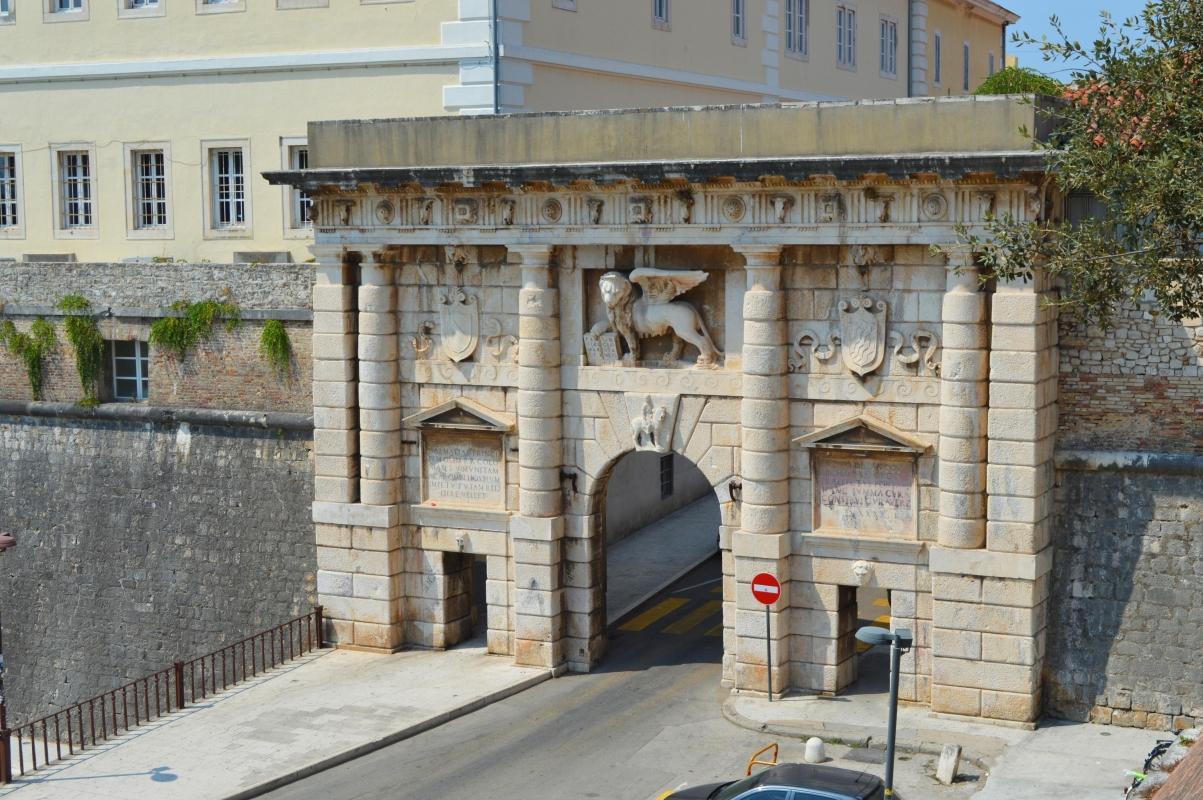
(899, 641)
(6, 761)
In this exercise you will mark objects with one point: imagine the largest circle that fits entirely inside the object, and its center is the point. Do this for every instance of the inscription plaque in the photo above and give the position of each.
(463, 469)
(866, 495)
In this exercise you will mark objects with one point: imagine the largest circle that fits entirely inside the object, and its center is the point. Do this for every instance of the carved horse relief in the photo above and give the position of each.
(862, 334)
(655, 313)
(459, 324)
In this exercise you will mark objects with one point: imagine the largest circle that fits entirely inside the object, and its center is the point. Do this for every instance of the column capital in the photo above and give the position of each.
(533, 255)
(760, 255)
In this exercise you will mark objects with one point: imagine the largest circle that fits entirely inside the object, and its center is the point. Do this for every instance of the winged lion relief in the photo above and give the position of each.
(653, 311)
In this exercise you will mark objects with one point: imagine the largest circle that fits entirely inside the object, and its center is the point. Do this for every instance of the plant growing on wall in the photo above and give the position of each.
(194, 324)
(1128, 133)
(31, 348)
(275, 346)
(85, 338)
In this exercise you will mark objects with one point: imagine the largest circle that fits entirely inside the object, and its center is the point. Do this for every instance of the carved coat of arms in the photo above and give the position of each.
(862, 334)
(459, 319)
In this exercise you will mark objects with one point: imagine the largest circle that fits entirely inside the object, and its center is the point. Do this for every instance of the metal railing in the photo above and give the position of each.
(47, 739)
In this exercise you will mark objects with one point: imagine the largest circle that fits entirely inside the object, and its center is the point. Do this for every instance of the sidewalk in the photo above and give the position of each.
(321, 709)
(1056, 761)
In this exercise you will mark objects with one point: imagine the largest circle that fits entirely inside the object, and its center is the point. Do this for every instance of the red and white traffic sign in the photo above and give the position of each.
(766, 588)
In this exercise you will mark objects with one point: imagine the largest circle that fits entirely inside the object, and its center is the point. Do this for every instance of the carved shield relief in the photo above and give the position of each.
(459, 319)
(862, 334)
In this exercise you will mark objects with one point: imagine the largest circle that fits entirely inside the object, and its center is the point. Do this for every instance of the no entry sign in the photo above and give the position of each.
(766, 588)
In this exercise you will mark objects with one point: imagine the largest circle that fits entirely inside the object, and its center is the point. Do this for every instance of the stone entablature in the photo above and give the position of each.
(614, 307)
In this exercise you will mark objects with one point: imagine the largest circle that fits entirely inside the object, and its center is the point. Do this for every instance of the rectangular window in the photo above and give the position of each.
(937, 54)
(6, 8)
(141, 3)
(739, 20)
(75, 189)
(67, 5)
(965, 67)
(150, 189)
(660, 13)
(228, 187)
(666, 476)
(10, 212)
(797, 24)
(130, 365)
(301, 207)
(889, 47)
(990, 65)
(845, 23)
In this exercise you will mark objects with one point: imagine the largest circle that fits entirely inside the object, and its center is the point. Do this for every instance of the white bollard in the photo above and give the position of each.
(814, 751)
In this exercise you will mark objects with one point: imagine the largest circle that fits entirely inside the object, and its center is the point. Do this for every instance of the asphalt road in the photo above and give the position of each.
(647, 720)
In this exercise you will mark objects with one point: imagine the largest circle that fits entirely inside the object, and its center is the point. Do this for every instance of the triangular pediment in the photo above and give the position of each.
(461, 414)
(863, 433)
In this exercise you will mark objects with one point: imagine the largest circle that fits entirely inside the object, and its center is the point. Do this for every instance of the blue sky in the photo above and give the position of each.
(1079, 19)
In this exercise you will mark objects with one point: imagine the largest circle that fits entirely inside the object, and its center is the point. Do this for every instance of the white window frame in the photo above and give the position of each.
(127, 10)
(212, 231)
(91, 231)
(289, 144)
(797, 15)
(141, 369)
(661, 14)
(885, 59)
(937, 58)
(564, 5)
(739, 22)
(9, 16)
(52, 13)
(220, 6)
(966, 56)
(133, 226)
(845, 49)
(15, 231)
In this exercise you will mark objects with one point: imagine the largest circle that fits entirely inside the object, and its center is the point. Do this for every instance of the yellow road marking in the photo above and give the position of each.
(883, 618)
(882, 602)
(717, 630)
(695, 617)
(654, 614)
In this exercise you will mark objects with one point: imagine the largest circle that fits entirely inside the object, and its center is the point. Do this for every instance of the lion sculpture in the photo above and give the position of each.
(655, 312)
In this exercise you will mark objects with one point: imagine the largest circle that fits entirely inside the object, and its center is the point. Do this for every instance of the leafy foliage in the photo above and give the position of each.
(85, 339)
(1130, 133)
(31, 348)
(1020, 80)
(276, 347)
(179, 334)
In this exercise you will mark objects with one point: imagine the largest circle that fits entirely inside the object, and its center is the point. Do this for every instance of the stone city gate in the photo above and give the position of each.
(504, 306)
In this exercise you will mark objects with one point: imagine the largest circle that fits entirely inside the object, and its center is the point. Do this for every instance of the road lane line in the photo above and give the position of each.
(717, 630)
(882, 602)
(654, 614)
(695, 617)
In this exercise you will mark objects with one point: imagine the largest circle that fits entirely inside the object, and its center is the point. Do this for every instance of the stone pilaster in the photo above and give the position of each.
(762, 542)
(537, 532)
(335, 387)
(963, 404)
(379, 384)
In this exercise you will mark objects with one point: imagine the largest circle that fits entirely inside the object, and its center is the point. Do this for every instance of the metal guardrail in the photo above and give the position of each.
(100, 718)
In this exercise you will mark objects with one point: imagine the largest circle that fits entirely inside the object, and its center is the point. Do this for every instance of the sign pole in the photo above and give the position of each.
(768, 651)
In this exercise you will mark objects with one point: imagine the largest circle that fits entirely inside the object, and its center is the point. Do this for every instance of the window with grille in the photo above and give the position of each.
(75, 189)
(301, 207)
(845, 23)
(938, 56)
(6, 8)
(660, 12)
(67, 5)
(150, 189)
(666, 476)
(130, 365)
(797, 23)
(739, 19)
(228, 180)
(141, 3)
(965, 67)
(9, 212)
(889, 47)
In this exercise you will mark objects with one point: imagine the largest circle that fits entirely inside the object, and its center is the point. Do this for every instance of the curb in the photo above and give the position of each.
(384, 741)
(859, 736)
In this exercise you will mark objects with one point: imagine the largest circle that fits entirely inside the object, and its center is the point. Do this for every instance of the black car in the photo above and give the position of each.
(790, 782)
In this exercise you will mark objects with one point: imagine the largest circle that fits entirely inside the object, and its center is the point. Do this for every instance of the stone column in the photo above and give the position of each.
(335, 388)
(963, 400)
(762, 542)
(537, 531)
(379, 384)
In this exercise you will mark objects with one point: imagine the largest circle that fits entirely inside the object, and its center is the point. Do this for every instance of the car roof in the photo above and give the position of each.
(820, 778)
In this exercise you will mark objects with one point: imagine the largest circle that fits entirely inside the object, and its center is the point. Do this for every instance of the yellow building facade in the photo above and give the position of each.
(139, 128)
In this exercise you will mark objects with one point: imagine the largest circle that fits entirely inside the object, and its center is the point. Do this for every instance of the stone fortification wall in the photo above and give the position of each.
(156, 530)
(1124, 628)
